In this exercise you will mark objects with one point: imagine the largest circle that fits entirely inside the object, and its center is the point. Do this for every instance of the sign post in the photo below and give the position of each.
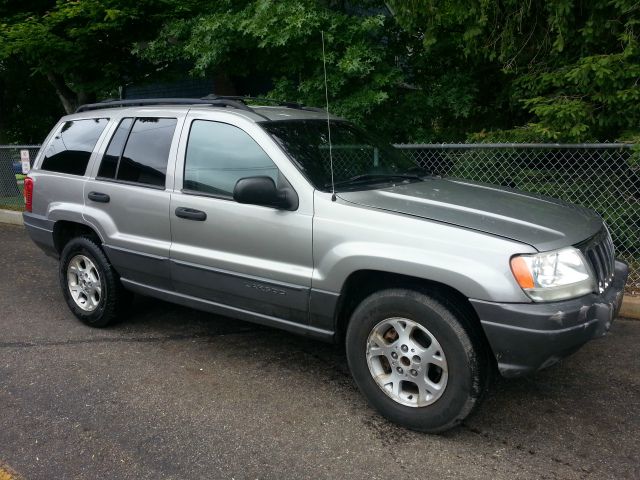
(26, 164)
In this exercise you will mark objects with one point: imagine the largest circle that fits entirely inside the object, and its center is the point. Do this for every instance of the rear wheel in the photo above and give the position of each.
(90, 285)
(415, 359)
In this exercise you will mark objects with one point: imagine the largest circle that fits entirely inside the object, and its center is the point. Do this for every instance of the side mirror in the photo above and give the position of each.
(262, 191)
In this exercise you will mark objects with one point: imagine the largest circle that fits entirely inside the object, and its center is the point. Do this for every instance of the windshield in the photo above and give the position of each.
(359, 161)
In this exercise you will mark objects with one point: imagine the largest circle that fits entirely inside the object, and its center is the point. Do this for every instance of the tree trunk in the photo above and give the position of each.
(86, 97)
(68, 97)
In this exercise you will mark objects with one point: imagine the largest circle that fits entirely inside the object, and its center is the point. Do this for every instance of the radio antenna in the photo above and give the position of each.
(326, 96)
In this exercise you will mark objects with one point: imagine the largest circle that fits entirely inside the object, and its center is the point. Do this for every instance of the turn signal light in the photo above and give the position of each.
(521, 272)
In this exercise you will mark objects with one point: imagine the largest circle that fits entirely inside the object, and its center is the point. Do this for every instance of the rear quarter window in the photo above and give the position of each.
(70, 149)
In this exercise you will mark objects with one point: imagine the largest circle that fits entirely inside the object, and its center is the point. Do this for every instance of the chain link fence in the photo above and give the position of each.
(11, 177)
(603, 177)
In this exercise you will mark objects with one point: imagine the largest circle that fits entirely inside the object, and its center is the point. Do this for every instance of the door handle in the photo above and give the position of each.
(99, 197)
(191, 214)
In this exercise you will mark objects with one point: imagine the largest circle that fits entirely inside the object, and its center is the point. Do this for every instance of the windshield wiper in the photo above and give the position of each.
(367, 177)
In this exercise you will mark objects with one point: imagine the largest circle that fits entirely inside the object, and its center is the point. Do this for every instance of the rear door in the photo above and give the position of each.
(127, 200)
(247, 257)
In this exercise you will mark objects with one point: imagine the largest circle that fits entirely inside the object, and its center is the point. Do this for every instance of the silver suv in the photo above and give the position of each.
(250, 212)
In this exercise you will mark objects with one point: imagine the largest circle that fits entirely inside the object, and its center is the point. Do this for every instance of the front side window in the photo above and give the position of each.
(219, 154)
(70, 150)
(139, 151)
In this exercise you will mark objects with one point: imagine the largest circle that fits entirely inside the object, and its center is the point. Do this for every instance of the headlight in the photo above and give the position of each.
(555, 275)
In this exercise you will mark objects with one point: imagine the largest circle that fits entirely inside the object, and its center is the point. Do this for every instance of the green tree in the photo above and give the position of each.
(82, 47)
(28, 104)
(413, 70)
(379, 75)
(573, 66)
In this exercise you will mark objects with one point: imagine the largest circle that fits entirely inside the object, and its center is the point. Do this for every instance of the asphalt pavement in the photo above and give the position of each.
(173, 393)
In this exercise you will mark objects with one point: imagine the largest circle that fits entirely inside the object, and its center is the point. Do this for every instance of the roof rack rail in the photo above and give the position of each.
(245, 99)
(213, 101)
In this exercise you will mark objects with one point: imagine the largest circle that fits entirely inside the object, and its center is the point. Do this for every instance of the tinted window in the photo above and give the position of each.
(357, 156)
(145, 157)
(218, 155)
(109, 163)
(71, 148)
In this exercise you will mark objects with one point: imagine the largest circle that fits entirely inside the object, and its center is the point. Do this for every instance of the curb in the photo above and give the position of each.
(11, 217)
(630, 307)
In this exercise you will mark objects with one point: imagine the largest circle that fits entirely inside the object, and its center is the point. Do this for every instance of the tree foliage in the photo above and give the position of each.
(412, 70)
(573, 66)
(82, 47)
(379, 74)
(28, 104)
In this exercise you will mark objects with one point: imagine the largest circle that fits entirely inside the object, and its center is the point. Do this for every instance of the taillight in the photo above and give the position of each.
(28, 194)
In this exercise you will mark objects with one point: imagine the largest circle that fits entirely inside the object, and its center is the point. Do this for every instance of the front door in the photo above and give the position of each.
(248, 258)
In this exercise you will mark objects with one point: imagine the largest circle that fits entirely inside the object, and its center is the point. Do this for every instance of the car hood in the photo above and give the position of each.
(541, 222)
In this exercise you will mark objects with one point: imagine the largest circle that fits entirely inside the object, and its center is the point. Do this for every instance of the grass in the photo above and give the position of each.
(14, 203)
(9, 206)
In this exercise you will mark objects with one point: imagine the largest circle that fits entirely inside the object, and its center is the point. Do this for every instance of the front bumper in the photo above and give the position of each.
(526, 337)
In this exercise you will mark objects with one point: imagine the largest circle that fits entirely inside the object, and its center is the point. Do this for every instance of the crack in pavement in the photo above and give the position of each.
(164, 338)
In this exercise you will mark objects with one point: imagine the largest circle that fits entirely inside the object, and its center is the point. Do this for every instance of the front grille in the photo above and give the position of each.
(600, 254)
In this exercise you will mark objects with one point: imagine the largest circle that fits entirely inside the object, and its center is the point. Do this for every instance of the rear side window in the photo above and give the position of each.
(71, 148)
(139, 151)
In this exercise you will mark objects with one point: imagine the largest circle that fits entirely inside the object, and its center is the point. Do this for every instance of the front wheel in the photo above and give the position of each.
(415, 360)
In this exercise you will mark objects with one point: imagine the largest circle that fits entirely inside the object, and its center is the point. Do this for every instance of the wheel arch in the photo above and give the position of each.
(66, 230)
(362, 283)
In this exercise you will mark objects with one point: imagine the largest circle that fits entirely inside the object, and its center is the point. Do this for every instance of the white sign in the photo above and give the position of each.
(26, 164)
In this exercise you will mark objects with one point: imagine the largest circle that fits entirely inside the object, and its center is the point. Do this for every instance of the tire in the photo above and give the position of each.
(96, 307)
(437, 391)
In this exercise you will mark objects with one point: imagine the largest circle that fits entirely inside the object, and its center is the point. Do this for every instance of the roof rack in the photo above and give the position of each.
(213, 101)
(245, 99)
(239, 102)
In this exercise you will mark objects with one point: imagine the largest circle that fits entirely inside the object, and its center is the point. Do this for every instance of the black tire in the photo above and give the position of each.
(113, 299)
(465, 356)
